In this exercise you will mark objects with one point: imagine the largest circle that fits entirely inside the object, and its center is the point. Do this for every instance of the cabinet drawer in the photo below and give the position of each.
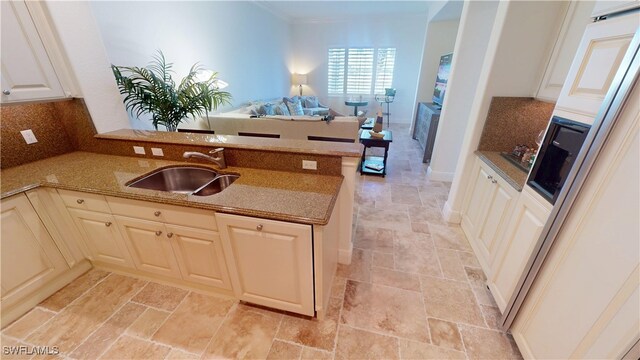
(171, 214)
(84, 201)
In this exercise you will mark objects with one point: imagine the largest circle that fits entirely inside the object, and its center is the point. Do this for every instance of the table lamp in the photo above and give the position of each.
(299, 79)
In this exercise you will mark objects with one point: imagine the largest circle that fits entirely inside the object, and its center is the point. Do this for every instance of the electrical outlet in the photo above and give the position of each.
(28, 136)
(139, 150)
(309, 164)
(157, 152)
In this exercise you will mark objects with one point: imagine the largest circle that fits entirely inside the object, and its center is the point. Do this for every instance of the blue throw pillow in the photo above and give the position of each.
(282, 109)
(295, 108)
(311, 102)
(268, 109)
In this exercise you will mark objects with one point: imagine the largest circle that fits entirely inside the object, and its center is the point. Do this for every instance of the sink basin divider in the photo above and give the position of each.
(207, 184)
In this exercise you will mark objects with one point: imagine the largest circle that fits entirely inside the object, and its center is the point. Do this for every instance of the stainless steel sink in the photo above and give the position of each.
(185, 180)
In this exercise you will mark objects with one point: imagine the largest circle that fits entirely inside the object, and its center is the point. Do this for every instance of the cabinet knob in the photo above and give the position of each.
(158, 233)
(80, 201)
(6, 92)
(259, 227)
(494, 181)
(108, 223)
(489, 177)
(169, 235)
(157, 213)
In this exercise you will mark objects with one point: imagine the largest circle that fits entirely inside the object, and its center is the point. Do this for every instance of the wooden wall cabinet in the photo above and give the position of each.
(27, 71)
(426, 127)
(486, 211)
(271, 262)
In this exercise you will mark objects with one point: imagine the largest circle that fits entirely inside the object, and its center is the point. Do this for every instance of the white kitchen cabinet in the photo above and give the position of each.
(101, 236)
(486, 212)
(577, 17)
(27, 72)
(199, 255)
(30, 258)
(605, 7)
(149, 246)
(522, 232)
(270, 262)
(596, 62)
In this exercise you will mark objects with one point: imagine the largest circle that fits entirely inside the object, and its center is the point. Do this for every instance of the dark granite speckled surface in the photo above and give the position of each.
(279, 195)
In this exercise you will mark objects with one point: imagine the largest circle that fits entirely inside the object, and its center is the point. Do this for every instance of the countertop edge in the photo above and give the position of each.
(500, 171)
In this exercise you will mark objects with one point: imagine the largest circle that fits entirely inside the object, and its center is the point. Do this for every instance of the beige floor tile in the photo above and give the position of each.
(359, 344)
(488, 344)
(380, 204)
(360, 267)
(483, 295)
(312, 332)
(420, 228)
(476, 276)
(72, 291)
(452, 267)
(451, 300)
(468, 259)
(445, 334)
(78, 320)
(383, 260)
(148, 323)
(337, 288)
(372, 238)
(449, 237)
(244, 334)
(128, 347)
(385, 309)
(420, 351)
(403, 194)
(28, 323)
(177, 354)
(416, 256)
(492, 316)
(395, 278)
(160, 296)
(425, 214)
(383, 218)
(107, 334)
(314, 354)
(15, 350)
(285, 351)
(193, 323)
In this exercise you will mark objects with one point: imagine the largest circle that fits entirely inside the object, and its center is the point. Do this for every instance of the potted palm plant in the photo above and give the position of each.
(152, 90)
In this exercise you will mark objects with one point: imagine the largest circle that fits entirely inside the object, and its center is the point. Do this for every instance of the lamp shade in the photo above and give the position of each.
(299, 79)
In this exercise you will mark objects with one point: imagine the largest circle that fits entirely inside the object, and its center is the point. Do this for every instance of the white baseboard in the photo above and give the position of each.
(451, 216)
(439, 175)
(344, 255)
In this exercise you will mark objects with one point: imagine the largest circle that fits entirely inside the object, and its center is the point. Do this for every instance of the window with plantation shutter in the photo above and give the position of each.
(359, 70)
(336, 71)
(384, 69)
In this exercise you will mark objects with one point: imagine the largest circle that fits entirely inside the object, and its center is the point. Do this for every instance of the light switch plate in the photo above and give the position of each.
(139, 150)
(28, 136)
(157, 152)
(309, 165)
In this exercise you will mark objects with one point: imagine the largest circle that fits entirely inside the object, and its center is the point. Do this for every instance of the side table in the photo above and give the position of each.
(369, 142)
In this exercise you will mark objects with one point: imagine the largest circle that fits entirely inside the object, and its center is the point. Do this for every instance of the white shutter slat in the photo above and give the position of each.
(384, 69)
(336, 71)
(359, 70)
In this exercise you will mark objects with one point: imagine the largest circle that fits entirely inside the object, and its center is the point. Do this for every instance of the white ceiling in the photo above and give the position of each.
(298, 11)
(450, 11)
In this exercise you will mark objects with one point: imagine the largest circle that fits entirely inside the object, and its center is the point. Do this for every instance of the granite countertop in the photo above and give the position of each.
(508, 171)
(279, 195)
(241, 142)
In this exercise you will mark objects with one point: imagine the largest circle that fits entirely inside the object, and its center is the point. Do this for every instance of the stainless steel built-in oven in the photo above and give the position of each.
(558, 151)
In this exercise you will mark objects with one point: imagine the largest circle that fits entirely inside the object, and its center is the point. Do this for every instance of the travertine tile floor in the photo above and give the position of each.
(413, 291)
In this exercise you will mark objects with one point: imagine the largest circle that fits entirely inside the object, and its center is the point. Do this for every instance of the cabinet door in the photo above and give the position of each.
(599, 55)
(199, 255)
(30, 258)
(474, 210)
(523, 230)
(501, 200)
(102, 237)
(270, 262)
(27, 73)
(149, 246)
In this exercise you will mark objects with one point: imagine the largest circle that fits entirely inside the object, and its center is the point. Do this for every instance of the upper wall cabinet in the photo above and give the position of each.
(609, 7)
(27, 71)
(597, 60)
(575, 21)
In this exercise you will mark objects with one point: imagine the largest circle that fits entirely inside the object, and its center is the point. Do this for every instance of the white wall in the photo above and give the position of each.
(473, 36)
(247, 45)
(406, 33)
(521, 41)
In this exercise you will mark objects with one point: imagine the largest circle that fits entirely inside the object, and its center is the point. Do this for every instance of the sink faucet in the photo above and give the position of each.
(219, 159)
